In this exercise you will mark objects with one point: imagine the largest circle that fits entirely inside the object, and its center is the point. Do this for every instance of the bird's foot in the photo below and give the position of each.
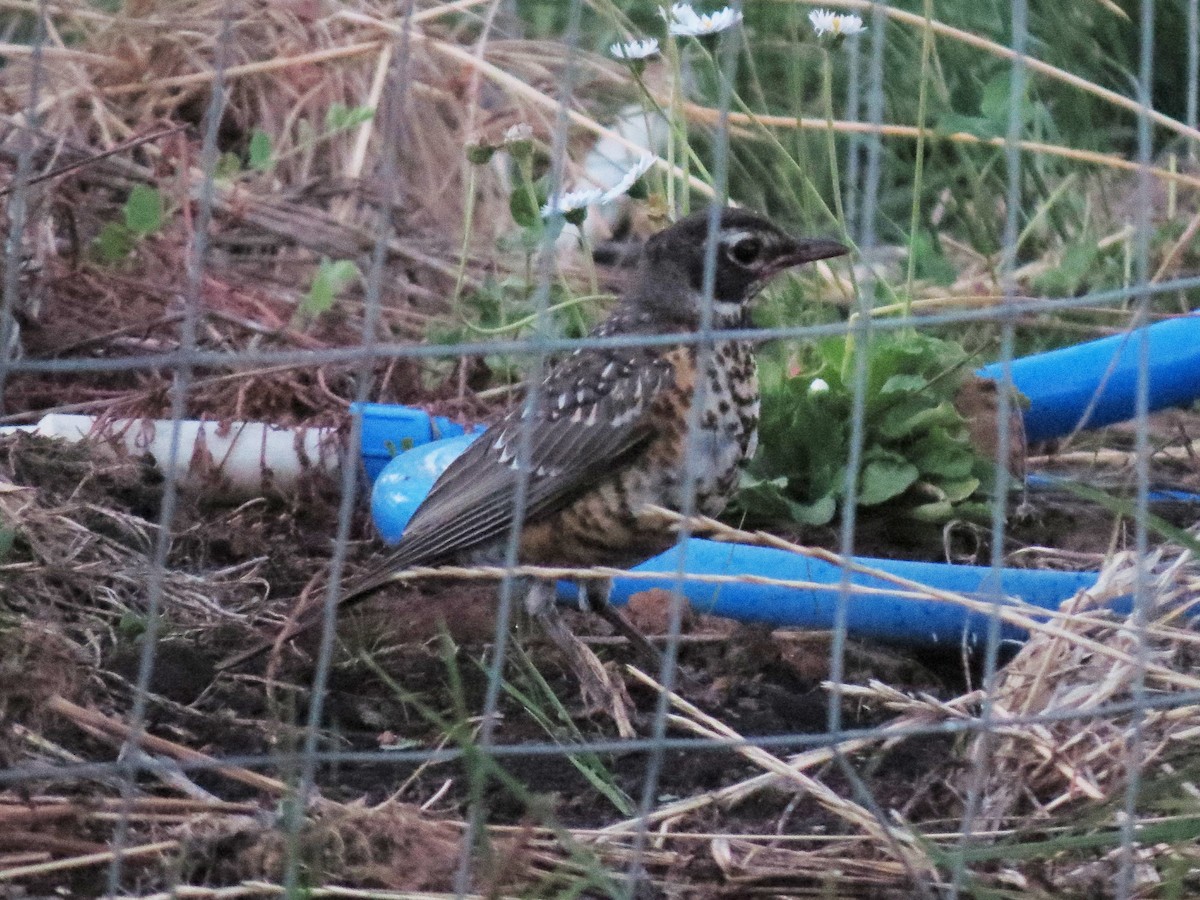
(603, 691)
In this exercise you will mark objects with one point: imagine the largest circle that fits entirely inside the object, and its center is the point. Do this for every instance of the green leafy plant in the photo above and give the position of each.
(915, 454)
(263, 154)
(1081, 266)
(143, 214)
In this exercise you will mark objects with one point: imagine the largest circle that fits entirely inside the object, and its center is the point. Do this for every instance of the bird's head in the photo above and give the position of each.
(749, 252)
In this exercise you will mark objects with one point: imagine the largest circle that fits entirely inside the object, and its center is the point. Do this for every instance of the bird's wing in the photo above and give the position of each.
(593, 413)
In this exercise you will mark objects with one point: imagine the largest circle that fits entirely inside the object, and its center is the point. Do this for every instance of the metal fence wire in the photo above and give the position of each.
(940, 641)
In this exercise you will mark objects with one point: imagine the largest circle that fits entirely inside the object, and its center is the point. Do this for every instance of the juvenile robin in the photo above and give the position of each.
(608, 435)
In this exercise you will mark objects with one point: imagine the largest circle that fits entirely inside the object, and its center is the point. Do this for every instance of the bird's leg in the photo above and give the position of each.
(600, 690)
(593, 595)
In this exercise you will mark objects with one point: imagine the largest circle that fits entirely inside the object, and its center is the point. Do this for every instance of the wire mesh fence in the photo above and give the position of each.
(933, 639)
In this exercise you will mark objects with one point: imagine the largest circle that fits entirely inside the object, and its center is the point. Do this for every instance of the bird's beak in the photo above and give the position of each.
(806, 251)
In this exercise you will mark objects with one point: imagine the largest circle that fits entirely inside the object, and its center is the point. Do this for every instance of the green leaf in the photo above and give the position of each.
(884, 477)
(928, 260)
(334, 116)
(904, 384)
(766, 501)
(340, 117)
(997, 100)
(949, 461)
(960, 489)
(941, 454)
(819, 512)
(114, 243)
(331, 279)
(480, 154)
(909, 418)
(132, 625)
(942, 511)
(144, 211)
(524, 204)
(358, 115)
(261, 153)
(994, 103)
(938, 512)
(1076, 269)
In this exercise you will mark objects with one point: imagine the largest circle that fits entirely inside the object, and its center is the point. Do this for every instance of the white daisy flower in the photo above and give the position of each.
(572, 201)
(686, 22)
(631, 50)
(581, 198)
(629, 179)
(826, 21)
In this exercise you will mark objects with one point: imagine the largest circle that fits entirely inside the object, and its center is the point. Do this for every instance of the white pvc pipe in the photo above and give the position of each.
(226, 459)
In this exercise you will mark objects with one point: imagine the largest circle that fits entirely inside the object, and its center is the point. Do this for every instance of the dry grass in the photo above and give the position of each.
(1037, 770)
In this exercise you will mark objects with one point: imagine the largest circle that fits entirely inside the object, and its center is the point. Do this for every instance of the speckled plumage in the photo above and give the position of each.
(606, 525)
(607, 430)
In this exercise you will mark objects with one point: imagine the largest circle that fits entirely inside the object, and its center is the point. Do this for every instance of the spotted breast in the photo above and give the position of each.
(608, 524)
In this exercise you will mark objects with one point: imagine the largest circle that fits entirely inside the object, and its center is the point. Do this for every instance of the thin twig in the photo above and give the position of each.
(96, 157)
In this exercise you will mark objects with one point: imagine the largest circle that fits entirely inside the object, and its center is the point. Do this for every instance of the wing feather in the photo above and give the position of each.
(474, 500)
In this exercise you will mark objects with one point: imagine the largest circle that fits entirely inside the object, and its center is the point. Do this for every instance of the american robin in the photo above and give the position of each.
(608, 435)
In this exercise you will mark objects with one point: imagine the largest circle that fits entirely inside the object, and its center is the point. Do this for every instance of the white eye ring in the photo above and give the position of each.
(745, 251)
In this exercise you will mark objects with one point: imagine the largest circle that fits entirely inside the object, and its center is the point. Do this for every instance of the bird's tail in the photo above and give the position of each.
(386, 572)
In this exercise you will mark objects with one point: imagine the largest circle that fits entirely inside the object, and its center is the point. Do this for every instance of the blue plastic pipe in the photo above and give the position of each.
(1039, 481)
(406, 480)
(389, 429)
(1062, 384)
(884, 617)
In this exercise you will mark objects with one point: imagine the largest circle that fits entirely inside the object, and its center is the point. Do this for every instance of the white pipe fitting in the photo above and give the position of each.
(233, 460)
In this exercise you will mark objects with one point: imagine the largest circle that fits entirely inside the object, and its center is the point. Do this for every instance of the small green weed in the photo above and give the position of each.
(582, 873)
(143, 215)
(262, 150)
(537, 697)
(505, 307)
(331, 280)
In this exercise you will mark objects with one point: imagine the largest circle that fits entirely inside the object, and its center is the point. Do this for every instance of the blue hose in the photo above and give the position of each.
(884, 617)
(1062, 384)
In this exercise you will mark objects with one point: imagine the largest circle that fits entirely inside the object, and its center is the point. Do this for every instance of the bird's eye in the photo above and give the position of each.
(746, 251)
